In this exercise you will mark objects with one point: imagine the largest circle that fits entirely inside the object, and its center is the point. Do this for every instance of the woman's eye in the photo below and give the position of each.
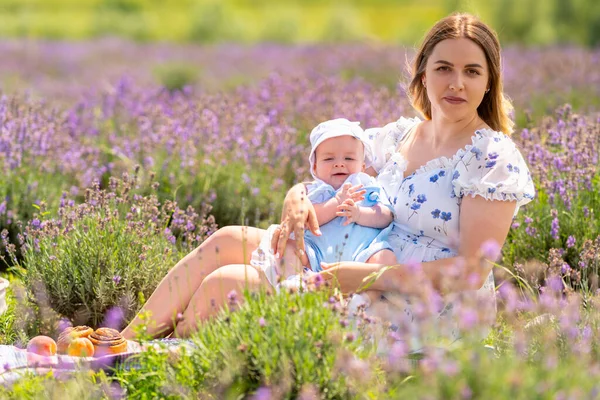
(473, 72)
(443, 68)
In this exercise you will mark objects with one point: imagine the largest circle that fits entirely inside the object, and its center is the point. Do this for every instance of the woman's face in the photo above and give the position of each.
(456, 78)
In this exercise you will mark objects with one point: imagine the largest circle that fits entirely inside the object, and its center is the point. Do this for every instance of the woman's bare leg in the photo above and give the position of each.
(229, 245)
(213, 293)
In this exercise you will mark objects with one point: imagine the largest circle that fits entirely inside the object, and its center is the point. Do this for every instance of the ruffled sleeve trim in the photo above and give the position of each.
(385, 140)
(496, 169)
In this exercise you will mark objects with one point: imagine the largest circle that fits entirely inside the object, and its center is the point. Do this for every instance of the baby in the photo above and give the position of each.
(353, 218)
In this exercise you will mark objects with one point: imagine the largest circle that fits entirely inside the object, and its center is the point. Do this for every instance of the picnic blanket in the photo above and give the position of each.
(16, 363)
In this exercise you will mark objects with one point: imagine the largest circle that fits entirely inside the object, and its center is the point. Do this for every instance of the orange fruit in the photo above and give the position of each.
(42, 345)
(81, 347)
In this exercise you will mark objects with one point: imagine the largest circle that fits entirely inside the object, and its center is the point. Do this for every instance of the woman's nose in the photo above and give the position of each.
(456, 83)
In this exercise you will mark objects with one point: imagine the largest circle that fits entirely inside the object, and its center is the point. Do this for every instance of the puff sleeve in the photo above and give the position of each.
(493, 168)
(384, 140)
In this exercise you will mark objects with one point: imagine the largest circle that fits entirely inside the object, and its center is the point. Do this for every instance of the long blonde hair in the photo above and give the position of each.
(495, 106)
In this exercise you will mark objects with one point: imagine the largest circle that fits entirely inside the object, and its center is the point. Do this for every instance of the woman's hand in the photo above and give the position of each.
(350, 210)
(298, 214)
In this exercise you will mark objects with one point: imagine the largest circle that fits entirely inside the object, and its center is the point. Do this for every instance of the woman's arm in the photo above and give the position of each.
(481, 221)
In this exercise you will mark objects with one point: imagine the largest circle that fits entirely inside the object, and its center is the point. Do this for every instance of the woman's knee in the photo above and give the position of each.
(238, 277)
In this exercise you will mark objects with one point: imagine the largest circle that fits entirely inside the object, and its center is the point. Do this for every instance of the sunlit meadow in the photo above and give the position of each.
(119, 158)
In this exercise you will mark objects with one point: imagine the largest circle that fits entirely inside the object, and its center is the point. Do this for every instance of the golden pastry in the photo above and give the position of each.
(71, 333)
(108, 341)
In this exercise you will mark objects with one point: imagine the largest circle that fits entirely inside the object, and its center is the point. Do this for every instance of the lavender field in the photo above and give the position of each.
(165, 143)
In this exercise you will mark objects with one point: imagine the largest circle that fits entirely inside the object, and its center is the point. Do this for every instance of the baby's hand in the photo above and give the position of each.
(356, 193)
(350, 210)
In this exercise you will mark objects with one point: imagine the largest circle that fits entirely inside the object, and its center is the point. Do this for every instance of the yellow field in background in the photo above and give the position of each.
(291, 21)
(184, 20)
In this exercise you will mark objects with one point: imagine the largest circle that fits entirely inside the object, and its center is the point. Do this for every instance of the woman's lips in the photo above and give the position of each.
(454, 100)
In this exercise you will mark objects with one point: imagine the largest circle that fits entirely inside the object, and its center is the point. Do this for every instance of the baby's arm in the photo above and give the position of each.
(377, 216)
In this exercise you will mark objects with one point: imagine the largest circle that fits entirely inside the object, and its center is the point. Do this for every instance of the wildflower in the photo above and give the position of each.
(36, 223)
(466, 392)
(468, 318)
(318, 280)
(555, 229)
(490, 249)
(116, 279)
(261, 322)
(555, 284)
(114, 317)
(232, 297)
(262, 393)
(350, 337)
(570, 241)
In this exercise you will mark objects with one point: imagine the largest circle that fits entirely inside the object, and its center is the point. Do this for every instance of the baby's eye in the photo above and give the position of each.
(349, 159)
(328, 159)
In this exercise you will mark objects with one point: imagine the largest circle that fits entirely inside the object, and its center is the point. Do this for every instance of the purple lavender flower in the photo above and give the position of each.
(262, 393)
(554, 231)
(570, 241)
(116, 279)
(232, 297)
(490, 249)
(114, 318)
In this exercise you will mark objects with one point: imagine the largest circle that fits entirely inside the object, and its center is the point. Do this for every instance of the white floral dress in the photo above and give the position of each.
(427, 202)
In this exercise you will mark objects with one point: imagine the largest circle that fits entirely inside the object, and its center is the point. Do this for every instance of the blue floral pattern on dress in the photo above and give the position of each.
(427, 202)
(429, 199)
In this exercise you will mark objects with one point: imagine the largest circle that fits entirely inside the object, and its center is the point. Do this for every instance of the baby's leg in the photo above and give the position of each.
(385, 257)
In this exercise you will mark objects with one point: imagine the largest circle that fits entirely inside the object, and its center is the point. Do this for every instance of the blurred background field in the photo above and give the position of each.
(530, 22)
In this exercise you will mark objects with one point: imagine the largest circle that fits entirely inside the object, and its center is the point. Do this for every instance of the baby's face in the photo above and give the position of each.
(337, 158)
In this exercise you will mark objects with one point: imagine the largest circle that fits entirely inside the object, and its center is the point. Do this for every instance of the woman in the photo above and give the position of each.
(455, 179)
